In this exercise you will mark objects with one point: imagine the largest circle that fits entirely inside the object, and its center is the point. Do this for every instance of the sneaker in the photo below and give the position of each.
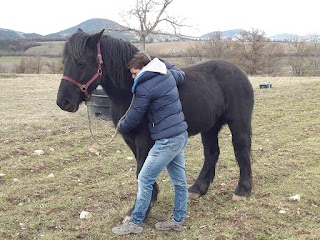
(170, 224)
(127, 228)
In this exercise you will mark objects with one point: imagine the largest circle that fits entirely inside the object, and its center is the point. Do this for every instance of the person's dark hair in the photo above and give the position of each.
(139, 60)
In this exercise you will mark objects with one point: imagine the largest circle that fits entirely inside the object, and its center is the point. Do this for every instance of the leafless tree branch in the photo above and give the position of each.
(149, 14)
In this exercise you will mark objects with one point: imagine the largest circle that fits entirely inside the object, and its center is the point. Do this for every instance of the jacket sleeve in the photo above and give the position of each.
(136, 112)
(177, 73)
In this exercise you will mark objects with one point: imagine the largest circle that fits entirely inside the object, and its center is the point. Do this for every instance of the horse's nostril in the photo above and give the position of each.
(63, 104)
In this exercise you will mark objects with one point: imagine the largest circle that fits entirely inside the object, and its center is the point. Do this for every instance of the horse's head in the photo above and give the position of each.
(82, 63)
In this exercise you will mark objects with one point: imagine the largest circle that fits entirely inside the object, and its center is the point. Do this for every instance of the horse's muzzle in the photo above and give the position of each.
(67, 106)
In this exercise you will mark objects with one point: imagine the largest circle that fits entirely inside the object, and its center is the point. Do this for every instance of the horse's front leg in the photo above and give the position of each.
(143, 146)
(140, 144)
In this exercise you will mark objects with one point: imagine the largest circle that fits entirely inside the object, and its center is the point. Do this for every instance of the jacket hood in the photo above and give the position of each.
(155, 66)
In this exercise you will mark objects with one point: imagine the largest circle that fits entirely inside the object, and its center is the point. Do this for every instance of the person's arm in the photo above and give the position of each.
(136, 112)
(177, 73)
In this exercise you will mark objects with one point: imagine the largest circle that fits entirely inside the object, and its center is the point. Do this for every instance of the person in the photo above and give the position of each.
(156, 94)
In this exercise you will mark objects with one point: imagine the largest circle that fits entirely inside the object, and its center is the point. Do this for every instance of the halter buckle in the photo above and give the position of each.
(83, 88)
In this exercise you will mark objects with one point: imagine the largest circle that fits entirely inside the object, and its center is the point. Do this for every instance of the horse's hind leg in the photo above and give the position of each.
(241, 140)
(211, 155)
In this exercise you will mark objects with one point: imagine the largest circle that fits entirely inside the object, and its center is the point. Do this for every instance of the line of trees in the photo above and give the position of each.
(257, 55)
(38, 65)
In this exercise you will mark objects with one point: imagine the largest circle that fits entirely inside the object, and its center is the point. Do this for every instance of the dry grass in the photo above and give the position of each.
(169, 48)
(286, 129)
(53, 48)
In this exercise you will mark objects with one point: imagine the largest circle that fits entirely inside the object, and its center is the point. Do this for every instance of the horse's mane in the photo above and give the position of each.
(75, 46)
(116, 53)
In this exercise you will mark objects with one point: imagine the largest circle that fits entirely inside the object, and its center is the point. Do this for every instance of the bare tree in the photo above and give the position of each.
(273, 55)
(3, 68)
(35, 64)
(297, 55)
(195, 53)
(55, 66)
(150, 14)
(251, 50)
(217, 47)
(314, 54)
(22, 66)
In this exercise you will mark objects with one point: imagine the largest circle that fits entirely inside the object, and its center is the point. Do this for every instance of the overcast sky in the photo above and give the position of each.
(271, 16)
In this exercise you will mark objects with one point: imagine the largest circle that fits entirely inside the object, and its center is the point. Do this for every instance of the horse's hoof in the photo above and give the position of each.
(238, 198)
(193, 195)
(126, 219)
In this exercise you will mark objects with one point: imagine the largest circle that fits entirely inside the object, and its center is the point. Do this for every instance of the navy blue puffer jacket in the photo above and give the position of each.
(156, 94)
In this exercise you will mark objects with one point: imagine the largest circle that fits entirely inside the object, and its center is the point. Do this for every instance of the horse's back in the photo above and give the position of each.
(214, 91)
(221, 72)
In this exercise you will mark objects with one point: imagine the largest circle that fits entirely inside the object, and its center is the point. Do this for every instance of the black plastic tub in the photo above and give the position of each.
(99, 105)
(265, 85)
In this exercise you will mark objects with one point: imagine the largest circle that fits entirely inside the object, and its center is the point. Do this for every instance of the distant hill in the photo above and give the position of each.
(233, 34)
(91, 26)
(10, 34)
(116, 30)
(283, 37)
(227, 34)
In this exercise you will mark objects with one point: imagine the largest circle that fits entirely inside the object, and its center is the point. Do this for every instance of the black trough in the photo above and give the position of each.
(99, 105)
(266, 85)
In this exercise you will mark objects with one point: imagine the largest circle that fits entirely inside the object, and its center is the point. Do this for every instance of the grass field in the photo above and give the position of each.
(42, 195)
(54, 48)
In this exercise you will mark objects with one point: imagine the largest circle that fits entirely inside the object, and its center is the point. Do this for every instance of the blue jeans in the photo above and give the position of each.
(169, 153)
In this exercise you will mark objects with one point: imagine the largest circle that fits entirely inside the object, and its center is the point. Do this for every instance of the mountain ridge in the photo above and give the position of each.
(116, 30)
(91, 26)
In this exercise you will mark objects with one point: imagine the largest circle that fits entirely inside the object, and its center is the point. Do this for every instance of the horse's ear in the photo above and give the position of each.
(79, 30)
(94, 39)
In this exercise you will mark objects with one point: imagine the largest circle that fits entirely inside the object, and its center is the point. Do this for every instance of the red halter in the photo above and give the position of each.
(84, 87)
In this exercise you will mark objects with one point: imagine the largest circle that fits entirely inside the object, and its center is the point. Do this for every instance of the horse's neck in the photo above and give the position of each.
(119, 92)
(120, 97)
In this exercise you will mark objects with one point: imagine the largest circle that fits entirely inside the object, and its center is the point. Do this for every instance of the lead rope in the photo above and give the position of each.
(116, 130)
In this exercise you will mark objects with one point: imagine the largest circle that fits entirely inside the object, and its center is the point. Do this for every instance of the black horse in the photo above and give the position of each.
(215, 93)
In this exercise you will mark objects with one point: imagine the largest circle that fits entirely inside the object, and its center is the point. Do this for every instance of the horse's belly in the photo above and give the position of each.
(202, 113)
